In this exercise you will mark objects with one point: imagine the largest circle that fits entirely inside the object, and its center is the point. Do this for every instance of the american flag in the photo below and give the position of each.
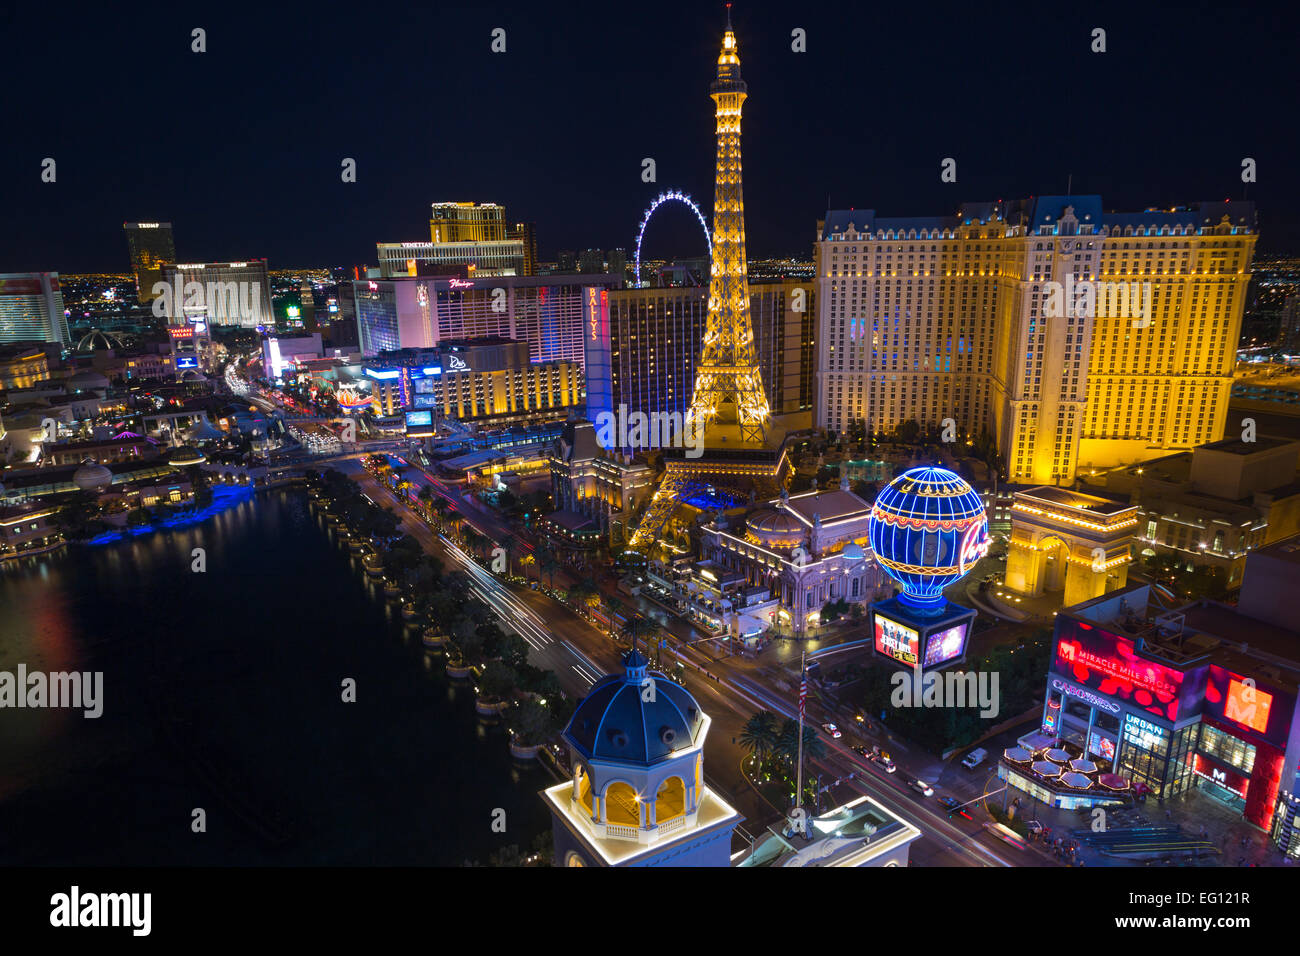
(803, 691)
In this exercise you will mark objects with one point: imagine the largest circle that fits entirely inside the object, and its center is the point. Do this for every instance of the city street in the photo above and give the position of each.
(730, 690)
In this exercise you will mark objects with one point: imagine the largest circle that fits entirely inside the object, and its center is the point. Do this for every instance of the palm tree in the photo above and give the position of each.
(787, 747)
(513, 548)
(585, 593)
(529, 560)
(403, 483)
(546, 564)
(640, 629)
(440, 507)
(425, 494)
(612, 607)
(760, 735)
(473, 540)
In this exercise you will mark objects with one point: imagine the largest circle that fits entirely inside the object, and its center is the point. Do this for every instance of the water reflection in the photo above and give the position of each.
(222, 690)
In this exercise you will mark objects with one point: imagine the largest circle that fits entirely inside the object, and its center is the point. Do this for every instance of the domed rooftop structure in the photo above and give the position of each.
(775, 528)
(853, 552)
(204, 431)
(85, 380)
(92, 476)
(616, 722)
(186, 455)
(194, 375)
(927, 529)
(98, 339)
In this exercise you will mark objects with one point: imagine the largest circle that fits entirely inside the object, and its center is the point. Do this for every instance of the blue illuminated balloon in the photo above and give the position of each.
(928, 528)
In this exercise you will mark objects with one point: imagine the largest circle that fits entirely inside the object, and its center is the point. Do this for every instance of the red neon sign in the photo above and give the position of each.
(1109, 664)
(1229, 780)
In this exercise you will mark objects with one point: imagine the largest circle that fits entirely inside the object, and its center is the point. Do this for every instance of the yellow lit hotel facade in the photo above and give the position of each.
(479, 378)
(1078, 338)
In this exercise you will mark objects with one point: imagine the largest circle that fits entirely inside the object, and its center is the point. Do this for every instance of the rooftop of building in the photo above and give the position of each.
(1078, 500)
(124, 438)
(1037, 211)
(716, 572)
(849, 835)
(442, 283)
(21, 479)
(21, 351)
(11, 514)
(1197, 633)
(1236, 446)
(836, 505)
(1288, 550)
(571, 521)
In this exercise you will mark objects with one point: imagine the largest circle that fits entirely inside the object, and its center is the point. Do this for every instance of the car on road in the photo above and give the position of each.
(923, 788)
(954, 806)
(832, 730)
(883, 762)
(974, 758)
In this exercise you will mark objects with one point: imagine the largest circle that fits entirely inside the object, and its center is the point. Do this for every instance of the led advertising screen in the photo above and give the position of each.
(418, 418)
(1103, 747)
(187, 361)
(1249, 706)
(896, 640)
(1052, 717)
(1109, 664)
(945, 645)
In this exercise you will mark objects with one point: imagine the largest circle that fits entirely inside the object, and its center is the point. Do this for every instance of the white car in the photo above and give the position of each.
(883, 762)
(923, 788)
(832, 730)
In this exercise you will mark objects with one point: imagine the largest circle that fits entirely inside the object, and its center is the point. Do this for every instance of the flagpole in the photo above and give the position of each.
(798, 792)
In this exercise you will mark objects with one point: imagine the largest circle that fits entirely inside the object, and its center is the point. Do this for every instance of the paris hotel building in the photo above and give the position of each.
(984, 317)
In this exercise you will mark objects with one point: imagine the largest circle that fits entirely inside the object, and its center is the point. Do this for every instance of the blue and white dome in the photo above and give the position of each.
(927, 529)
(615, 721)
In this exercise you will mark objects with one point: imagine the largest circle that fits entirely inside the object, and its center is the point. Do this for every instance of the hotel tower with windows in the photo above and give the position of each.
(1077, 338)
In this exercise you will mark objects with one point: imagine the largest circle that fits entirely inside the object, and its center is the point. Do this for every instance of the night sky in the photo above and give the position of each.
(240, 147)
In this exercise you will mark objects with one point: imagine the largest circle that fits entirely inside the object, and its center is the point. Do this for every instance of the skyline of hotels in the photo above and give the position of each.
(968, 323)
(956, 439)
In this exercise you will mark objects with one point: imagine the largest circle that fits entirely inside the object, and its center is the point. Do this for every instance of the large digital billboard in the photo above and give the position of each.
(419, 423)
(896, 640)
(1248, 706)
(942, 646)
(1109, 664)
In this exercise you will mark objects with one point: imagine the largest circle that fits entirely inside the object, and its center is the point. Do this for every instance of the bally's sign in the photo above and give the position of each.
(1087, 697)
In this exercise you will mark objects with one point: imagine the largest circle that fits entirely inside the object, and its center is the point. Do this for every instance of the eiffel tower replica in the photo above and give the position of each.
(742, 454)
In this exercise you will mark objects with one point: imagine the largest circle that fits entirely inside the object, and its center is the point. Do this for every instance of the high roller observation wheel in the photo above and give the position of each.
(671, 196)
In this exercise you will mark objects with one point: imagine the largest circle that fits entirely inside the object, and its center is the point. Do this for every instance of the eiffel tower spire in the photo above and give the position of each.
(728, 382)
